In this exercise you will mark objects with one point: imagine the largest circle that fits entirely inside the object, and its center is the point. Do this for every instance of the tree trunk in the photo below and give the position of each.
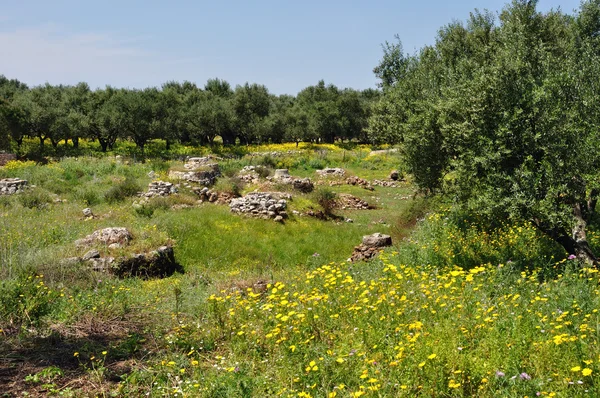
(581, 247)
(103, 144)
(168, 145)
(75, 142)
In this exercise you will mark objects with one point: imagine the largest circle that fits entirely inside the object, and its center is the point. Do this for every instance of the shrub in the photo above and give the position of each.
(125, 189)
(88, 196)
(34, 199)
(325, 197)
(232, 185)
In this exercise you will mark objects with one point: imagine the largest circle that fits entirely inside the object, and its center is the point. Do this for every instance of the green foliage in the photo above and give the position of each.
(35, 198)
(25, 300)
(504, 118)
(231, 185)
(325, 197)
(127, 188)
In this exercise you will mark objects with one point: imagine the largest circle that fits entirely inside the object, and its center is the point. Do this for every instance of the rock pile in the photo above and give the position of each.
(113, 237)
(261, 204)
(160, 188)
(207, 176)
(370, 247)
(346, 201)
(10, 186)
(331, 172)
(303, 185)
(354, 180)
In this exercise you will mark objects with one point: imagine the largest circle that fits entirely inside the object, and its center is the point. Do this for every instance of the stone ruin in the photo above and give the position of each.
(160, 188)
(10, 186)
(198, 162)
(370, 247)
(6, 157)
(267, 205)
(303, 185)
(157, 263)
(331, 172)
(203, 177)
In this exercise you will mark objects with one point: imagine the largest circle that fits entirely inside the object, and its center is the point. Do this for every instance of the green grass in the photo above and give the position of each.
(450, 305)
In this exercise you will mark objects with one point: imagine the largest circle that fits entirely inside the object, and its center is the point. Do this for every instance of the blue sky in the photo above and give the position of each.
(285, 45)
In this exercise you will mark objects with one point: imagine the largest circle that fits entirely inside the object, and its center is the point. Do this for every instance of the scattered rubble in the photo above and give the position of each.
(267, 205)
(370, 247)
(10, 186)
(106, 236)
(383, 183)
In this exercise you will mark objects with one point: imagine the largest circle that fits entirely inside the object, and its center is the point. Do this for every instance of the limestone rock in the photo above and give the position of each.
(10, 186)
(91, 254)
(87, 213)
(377, 240)
(106, 236)
(370, 247)
(281, 173)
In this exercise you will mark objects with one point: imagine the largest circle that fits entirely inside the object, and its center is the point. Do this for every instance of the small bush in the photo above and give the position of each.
(125, 189)
(34, 199)
(88, 196)
(232, 185)
(268, 161)
(147, 209)
(325, 198)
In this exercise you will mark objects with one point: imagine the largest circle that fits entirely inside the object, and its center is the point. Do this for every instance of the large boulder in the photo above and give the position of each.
(106, 236)
(370, 247)
(377, 240)
(281, 173)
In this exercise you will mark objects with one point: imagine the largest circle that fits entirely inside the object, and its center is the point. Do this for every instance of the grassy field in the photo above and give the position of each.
(267, 309)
